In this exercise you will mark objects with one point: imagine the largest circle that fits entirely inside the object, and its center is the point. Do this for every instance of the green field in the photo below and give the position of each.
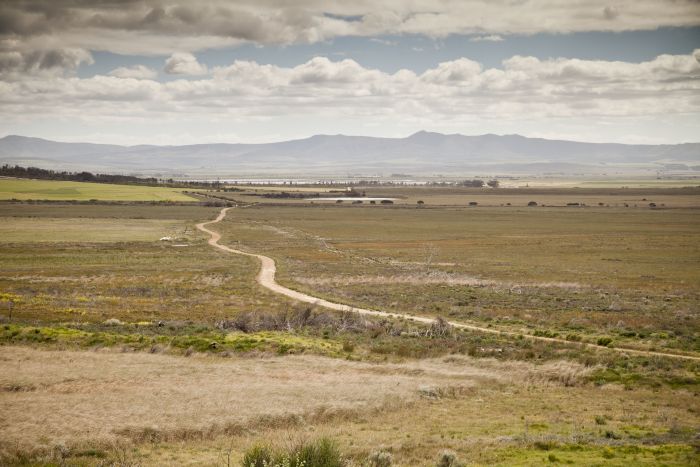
(22, 189)
(187, 360)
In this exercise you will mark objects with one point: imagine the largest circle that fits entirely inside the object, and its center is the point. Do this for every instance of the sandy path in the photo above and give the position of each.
(266, 278)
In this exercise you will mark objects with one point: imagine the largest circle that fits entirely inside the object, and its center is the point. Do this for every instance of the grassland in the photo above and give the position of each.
(627, 274)
(180, 410)
(114, 266)
(444, 196)
(124, 349)
(23, 189)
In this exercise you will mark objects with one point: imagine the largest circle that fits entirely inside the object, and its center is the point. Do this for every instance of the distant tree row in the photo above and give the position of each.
(44, 174)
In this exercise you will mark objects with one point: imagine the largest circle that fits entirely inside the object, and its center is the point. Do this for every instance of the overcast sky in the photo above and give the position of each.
(178, 72)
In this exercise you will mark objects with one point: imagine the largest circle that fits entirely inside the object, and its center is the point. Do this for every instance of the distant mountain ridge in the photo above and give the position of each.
(423, 152)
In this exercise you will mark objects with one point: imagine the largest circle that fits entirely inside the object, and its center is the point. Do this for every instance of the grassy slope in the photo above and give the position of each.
(59, 190)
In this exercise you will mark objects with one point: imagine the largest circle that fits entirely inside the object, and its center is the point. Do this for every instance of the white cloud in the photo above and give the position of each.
(182, 63)
(163, 27)
(134, 72)
(454, 93)
(524, 86)
(489, 38)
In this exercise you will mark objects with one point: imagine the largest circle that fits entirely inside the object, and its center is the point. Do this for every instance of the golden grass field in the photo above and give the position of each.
(54, 190)
(119, 349)
(194, 409)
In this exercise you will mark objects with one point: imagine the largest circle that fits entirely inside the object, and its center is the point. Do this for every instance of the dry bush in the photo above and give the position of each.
(294, 319)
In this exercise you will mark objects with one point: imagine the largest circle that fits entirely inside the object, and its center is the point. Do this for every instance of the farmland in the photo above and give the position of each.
(175, 354)
(23, 189)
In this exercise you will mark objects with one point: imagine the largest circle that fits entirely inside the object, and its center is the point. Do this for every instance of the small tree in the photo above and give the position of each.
(420, 202)
(493, 183)
(532, 203)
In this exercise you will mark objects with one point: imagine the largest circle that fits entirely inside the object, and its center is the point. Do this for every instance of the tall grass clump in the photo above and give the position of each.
(320, 453)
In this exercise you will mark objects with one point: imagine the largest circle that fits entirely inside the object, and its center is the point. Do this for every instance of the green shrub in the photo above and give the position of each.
(258, 456)
(319, 453)
(604, 341)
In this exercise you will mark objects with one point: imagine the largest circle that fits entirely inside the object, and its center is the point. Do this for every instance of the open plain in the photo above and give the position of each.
(128, 339)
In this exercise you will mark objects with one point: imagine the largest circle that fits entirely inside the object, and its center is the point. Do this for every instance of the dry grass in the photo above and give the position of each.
(72, 396)
(428, 277)
(30, 230)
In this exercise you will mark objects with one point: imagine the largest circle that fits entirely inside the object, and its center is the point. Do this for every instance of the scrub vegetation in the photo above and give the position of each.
(117, 347)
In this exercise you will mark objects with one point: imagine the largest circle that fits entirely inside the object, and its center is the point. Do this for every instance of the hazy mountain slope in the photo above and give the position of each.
(420, 152)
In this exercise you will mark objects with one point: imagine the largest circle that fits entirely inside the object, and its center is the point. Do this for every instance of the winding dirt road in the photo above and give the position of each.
(266, 278)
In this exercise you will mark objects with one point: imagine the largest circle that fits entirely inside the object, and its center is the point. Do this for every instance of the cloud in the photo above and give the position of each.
(489, 38)
(184, 64)
(16, 63)
(452, 92)
(168, 26)
(135, 72)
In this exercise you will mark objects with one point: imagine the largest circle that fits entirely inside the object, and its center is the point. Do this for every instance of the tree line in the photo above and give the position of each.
(44, 174)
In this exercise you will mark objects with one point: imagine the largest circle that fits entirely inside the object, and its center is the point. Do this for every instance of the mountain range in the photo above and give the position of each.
(421, 153)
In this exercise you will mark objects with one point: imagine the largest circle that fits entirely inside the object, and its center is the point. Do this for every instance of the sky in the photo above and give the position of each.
(184, 72)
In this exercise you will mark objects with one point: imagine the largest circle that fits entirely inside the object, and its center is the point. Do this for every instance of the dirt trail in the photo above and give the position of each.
(266, 278)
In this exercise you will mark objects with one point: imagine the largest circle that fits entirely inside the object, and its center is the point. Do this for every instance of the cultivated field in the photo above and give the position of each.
(22, 189)
(121, 348)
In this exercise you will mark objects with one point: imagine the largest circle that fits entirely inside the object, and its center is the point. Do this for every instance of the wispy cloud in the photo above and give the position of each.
(489, 38)
(134, 72)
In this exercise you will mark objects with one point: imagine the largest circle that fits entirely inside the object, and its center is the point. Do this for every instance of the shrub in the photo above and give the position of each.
(532, 203)
(440, 328)
(600, 420)
(257, 456)
(112, 322)
(447, 459)
(421, 202)
(320, 453)
(604, 341)
(380, 458)
(473, 203)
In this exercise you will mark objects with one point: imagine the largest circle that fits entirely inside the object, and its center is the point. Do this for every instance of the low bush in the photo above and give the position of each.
(604, 341)
(320, 453)
(447, 458)
(380, 458)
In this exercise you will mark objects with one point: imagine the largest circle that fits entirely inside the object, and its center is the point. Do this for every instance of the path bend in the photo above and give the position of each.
(266, 278)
